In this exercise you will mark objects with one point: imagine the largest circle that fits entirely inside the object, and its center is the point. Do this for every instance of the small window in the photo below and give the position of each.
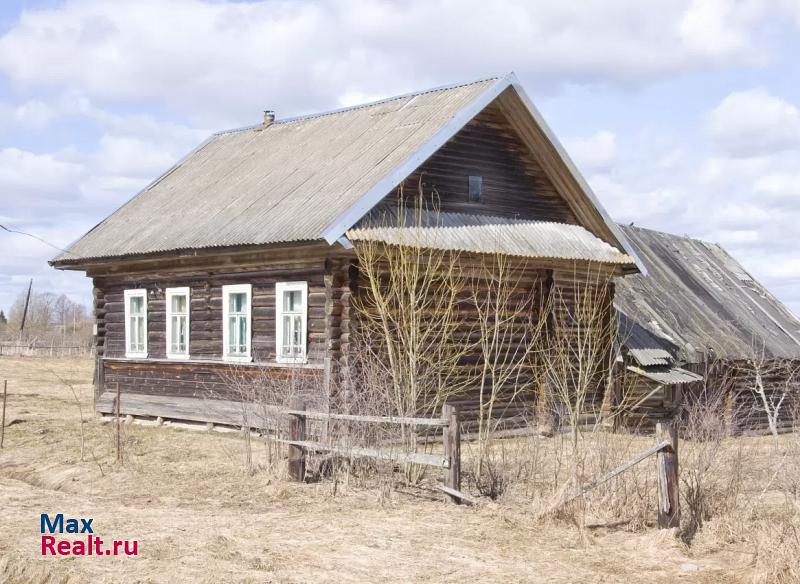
(136, 323)
(475, 189)
(178, 303)
(291, 319)
(236, 332)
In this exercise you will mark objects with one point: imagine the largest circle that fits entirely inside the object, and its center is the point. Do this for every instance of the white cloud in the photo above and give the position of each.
(721, 27)
(58, 196)
(595, 152)
(191, 63)
(751, 205)
(24, 175)
(754, 122)
(31, 114)
(292, 56)
(780, 188)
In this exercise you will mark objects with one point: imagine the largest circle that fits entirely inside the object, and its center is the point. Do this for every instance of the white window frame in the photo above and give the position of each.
(184, 291)
(280, 288)
(226, 292)
(138, 292)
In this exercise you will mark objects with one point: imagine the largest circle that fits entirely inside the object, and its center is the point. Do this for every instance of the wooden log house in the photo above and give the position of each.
(241, 254)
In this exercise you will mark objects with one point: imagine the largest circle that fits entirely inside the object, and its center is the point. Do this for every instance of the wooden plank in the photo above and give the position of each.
(436, 422)
(117, 441)
(189, 409)
(452, 446)
(456, 494)
(620, 469)
(355, 451)
(297, 432)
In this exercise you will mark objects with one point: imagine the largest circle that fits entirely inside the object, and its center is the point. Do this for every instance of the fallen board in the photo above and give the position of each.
(231, 413)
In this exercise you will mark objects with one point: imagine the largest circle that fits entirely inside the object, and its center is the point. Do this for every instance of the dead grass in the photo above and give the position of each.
(200, 517)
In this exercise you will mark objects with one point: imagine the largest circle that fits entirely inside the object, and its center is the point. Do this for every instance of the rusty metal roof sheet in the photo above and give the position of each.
(699, 298)
(667, 375)
(483, 234)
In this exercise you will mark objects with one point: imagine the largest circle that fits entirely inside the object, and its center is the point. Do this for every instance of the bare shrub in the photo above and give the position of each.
(409, 328)
(505, 297)
(77, 400)
(710, 465)
(261, 393)
(771, 380)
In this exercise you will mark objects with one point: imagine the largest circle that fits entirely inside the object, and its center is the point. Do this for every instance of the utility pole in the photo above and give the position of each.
(25, 310)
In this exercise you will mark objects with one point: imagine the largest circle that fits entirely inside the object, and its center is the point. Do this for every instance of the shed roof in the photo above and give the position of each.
(700, 299)
(481, 234)
(667, 375)
(313, 177)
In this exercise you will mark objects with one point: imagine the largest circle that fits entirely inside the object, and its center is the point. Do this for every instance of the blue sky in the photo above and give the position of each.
(684, 115)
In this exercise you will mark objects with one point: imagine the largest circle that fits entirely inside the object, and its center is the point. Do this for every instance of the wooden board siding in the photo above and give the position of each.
(514, 184)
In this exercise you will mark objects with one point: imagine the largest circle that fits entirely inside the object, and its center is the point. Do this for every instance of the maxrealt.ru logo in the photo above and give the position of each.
(87, 545)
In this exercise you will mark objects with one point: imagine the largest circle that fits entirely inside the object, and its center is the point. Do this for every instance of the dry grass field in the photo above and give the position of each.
(200, 517)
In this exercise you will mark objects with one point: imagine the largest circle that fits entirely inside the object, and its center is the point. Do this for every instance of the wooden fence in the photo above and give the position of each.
(51, 348)
(449, 461)
(665, 448)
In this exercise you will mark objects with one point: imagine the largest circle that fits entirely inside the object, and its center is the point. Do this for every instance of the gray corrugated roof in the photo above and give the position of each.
(314, 177)
(480, 234)
(284, 182)
(667, 375)
(649, 357)
(701, 299)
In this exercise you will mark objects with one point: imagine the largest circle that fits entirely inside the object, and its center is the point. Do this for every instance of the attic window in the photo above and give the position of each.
(475, 189)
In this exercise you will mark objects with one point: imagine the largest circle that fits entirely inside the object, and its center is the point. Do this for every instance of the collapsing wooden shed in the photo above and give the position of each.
(241, 254)
(700, 323)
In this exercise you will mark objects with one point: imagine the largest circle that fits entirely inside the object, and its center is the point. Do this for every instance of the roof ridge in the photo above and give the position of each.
(667, 233)
(365, 105)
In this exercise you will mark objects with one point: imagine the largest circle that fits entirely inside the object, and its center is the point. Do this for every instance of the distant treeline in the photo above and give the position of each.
(50, 317)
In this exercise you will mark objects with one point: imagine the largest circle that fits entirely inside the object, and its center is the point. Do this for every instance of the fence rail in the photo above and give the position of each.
(436, 422)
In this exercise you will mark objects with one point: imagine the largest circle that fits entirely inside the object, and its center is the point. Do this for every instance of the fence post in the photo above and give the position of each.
(669, 511)
(117, 429)
(3, 423)
(297, 433)
(452, 445)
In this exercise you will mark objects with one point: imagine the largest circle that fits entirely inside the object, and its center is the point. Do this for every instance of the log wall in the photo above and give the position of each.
(205, 374)
(743, 408)
(580, 291)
